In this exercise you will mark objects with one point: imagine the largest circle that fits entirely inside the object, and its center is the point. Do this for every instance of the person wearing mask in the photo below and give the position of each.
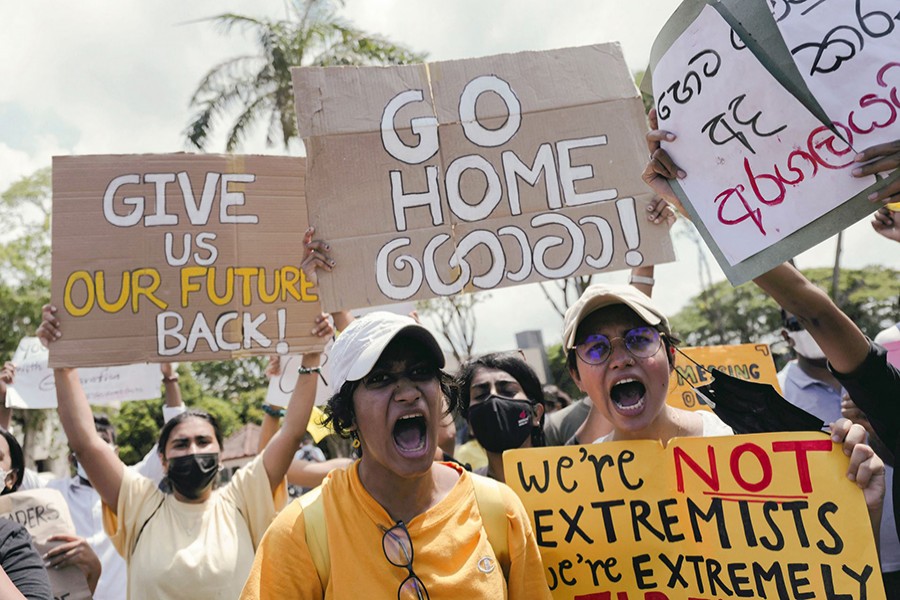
(198, 540)
(17, 560)
(85, 504)
(806, 381)
(502, 400)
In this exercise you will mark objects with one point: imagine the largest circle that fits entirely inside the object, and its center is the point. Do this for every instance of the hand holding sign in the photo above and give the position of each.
(881, 159)
(315, 256)
(887, 223)
(866, 469)
(74, 551)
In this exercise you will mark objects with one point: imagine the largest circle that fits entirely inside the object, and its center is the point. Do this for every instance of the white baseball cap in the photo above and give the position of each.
(358, 348)
(601, 295)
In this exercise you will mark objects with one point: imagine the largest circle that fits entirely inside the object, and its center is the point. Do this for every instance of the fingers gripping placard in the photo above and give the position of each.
(179, 257)
(430, 180)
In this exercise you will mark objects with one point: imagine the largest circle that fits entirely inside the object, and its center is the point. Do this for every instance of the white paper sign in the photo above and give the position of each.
(35, 388)
(849, 56)
(759, 165)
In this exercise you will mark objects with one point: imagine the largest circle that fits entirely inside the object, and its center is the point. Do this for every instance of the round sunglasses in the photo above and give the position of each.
(641, 342)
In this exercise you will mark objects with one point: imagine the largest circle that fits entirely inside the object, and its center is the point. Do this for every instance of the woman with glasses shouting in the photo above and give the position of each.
(395, 524)
(620, 352)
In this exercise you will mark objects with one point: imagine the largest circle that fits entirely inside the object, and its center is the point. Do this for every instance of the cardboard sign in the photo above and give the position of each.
(761, 516)
(44, 513)
(434, 179)
(36, 388)
(752, 362)
(179, 257)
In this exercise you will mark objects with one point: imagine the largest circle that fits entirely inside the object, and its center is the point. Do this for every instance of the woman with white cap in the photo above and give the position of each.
(396, 523)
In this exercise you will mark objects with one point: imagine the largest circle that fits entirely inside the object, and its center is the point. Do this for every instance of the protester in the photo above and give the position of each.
(22, 572)
(396, 522)
(859, 365)
(74, 550)
(28, 478)
(85, 504)
(806, 381)
(554, 398)
(628, 382)
(197, 540)
(502, 400)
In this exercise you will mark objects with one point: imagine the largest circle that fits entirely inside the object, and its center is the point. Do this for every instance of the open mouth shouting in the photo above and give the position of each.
(410, 435)
(628, 396)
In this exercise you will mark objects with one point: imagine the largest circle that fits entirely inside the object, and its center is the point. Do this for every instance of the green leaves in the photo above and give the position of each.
(258, 87)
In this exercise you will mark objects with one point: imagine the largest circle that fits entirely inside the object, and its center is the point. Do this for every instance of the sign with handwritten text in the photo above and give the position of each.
(759, 165)
(847, 54)
(44, 513)
(751, 362)
(760, 516)
(179, 257)
(432, 180)
(35, 387)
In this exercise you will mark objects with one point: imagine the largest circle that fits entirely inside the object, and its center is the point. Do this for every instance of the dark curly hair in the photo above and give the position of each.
(515, 365)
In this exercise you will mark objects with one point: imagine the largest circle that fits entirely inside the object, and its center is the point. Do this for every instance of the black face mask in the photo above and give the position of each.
(193, 473)
(500, 423)
(749, 407)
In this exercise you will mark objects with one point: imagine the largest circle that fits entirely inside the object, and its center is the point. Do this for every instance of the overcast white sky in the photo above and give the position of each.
(100, 77)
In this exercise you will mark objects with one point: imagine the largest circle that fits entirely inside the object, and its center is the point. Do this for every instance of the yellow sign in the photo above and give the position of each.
(762, 516)
(752, 362)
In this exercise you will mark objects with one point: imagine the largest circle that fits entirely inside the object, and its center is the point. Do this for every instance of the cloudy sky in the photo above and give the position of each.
(94, 77)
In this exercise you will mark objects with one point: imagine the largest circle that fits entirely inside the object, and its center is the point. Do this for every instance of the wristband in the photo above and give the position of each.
(641, 279)
(308, 370)
(273, 411)
(172, 379)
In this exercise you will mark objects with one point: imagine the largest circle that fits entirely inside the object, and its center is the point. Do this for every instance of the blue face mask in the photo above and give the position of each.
(501, 423)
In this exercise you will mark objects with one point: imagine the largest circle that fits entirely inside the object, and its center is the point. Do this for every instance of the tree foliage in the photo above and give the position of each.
(723, 314)
(259, 85)
(559, 374)
(455, 320)
(24, 258)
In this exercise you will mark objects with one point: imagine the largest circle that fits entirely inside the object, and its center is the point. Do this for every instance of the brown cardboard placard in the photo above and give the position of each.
(139, 239)
(431, 180)
(44, 513)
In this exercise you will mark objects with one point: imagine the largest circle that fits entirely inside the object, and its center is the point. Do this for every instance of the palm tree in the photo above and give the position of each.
(259, 85)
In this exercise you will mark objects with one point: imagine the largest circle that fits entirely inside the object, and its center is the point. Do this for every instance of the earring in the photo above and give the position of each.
(355, 443)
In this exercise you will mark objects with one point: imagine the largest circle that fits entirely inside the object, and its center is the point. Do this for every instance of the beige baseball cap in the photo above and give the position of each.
(600, 295)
